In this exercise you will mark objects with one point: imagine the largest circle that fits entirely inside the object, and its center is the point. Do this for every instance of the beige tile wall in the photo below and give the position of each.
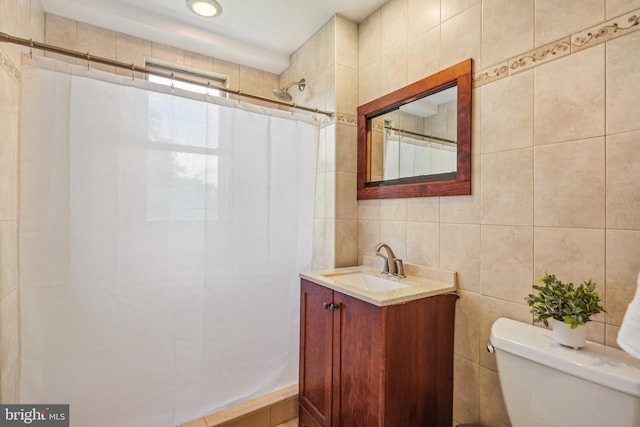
(328, 61)
(556, 156)
(21, 18)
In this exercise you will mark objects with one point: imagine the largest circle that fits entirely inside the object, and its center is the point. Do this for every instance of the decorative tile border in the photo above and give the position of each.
(541, 55)
(346, 119)
(377, 126)
(10, 67)
(600, 33)
(489, 75)
(609, 30)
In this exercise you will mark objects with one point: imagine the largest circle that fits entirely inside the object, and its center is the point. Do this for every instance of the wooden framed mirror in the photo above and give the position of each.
(416, 141)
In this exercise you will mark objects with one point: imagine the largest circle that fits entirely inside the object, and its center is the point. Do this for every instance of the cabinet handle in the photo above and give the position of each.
(330, 306)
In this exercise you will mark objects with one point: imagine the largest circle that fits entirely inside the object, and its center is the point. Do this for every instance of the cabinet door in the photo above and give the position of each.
(419, 362)
(358, 373)
(316, 331)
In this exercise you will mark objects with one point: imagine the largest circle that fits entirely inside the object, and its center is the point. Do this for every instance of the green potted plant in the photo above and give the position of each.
(569, 306)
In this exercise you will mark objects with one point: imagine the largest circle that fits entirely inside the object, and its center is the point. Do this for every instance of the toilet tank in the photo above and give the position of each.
(547, 385)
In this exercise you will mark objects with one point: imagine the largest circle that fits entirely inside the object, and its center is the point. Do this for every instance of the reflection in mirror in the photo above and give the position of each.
(416, 141)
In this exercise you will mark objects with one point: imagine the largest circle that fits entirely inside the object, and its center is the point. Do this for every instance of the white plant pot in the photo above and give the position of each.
(564, 335)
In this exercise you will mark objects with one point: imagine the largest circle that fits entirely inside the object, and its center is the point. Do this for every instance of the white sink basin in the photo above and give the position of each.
(368, 282)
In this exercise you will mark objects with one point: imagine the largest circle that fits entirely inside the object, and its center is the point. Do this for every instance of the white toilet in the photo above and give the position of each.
(547, 385)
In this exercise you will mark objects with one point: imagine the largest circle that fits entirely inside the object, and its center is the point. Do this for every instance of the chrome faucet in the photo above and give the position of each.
(392, 266)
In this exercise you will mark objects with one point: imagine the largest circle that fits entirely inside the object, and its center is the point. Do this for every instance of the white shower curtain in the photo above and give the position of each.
(407, 157)
(160, 241)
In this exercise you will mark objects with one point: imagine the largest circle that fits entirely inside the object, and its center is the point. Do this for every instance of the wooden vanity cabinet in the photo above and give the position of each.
(367, 366)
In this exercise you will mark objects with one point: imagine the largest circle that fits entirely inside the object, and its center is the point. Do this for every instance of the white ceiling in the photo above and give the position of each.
(257, 33)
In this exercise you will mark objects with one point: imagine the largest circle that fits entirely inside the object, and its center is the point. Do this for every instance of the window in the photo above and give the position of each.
(215, 79)
(185, 148)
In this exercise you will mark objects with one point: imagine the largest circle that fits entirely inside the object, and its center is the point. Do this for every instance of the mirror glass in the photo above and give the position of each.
(416, 141)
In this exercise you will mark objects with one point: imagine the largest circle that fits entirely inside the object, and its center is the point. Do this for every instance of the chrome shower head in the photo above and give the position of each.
(284, 92)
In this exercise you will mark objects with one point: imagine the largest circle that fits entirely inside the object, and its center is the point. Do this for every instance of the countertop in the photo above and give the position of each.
(422, 282)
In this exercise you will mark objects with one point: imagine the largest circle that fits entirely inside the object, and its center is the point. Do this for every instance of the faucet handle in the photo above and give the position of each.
(400, 268)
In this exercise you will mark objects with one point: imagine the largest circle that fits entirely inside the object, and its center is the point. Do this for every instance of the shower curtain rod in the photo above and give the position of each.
(408, 132)
(4, 37)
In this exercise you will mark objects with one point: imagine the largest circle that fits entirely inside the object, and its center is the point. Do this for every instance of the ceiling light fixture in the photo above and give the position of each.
(206, 8)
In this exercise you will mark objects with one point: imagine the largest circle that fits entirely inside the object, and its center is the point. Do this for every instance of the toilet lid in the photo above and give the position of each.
(594, 362)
